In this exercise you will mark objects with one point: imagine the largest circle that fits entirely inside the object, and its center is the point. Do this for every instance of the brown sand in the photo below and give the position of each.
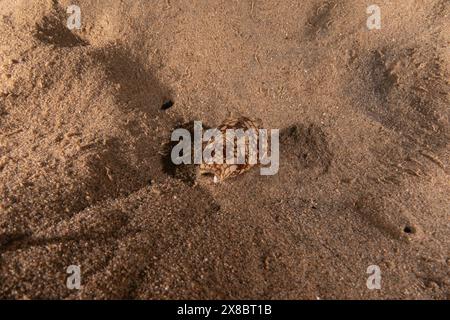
(364, 174)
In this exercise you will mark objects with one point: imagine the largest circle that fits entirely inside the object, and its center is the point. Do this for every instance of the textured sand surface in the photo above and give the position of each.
(364, 169)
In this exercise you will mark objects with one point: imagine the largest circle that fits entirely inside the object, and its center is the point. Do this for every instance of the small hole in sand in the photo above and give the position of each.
(409, 230)
(166, 105)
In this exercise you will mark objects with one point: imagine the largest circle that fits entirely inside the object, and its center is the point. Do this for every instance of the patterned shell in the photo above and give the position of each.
(224, 171)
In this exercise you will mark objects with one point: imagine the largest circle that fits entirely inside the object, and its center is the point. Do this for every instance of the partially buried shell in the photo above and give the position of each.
(222, 171)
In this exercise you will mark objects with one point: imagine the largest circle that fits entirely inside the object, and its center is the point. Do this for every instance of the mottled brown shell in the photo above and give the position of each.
(224, 171)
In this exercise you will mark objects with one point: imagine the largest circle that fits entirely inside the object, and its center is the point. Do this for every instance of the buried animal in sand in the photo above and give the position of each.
(238, 145)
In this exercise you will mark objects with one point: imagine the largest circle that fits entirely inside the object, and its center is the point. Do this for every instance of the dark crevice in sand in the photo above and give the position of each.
(167, 105)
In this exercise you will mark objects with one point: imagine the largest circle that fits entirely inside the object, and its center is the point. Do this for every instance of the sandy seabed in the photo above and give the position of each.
(364, 164)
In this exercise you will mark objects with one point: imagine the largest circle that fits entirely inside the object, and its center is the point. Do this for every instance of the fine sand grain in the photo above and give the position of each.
(364, 167)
